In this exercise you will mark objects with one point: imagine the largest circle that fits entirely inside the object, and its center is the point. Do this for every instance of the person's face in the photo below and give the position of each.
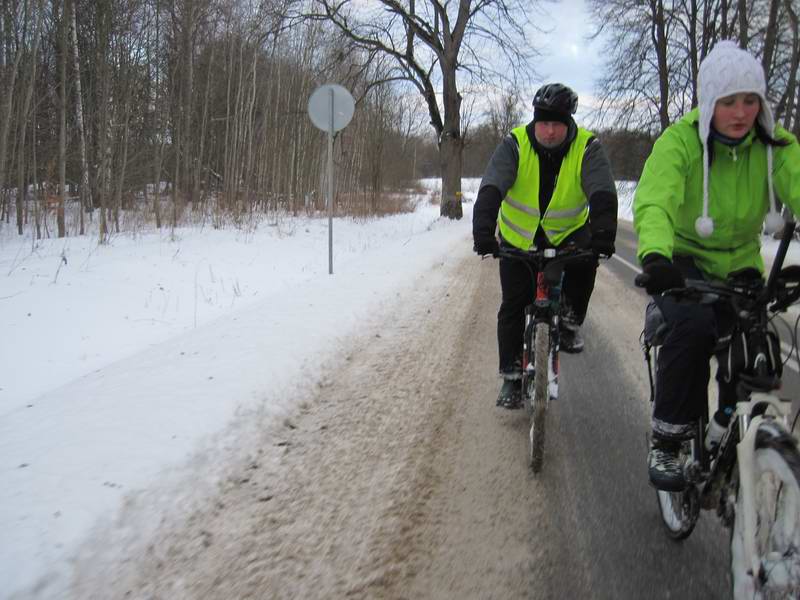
(550, 133)
(734, 116)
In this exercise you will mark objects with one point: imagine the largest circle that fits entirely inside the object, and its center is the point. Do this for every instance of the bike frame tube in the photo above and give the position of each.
(542, 289)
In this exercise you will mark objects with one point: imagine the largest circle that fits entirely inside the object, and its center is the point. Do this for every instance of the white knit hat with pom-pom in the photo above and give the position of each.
(725, 71)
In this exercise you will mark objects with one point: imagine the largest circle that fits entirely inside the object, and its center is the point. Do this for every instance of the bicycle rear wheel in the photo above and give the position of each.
(775, 521)
(540, 395)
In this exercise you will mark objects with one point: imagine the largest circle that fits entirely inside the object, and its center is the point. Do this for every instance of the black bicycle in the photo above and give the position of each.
(541, 336)
(752, 477)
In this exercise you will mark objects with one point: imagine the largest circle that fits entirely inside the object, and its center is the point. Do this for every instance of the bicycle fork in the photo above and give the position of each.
(745, 451)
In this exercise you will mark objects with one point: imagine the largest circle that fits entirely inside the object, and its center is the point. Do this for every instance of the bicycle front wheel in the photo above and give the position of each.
(540, 394)
(774, 572)
(679, 511)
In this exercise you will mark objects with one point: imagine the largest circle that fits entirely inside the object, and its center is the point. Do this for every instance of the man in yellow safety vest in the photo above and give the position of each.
(548, 184)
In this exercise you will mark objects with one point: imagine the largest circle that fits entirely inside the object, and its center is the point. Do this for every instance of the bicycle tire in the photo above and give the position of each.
(541, 344)
(679, 511)
(777, 520)
(527, 380)
(527, 395)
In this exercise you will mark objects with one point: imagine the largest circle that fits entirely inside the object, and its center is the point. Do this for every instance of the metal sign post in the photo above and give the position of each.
(330, 108)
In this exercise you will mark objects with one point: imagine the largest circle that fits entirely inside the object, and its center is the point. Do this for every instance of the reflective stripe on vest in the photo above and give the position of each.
(568, 209)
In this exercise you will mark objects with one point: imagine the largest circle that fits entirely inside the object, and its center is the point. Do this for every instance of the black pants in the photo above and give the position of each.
(683, 368)
(519, 290)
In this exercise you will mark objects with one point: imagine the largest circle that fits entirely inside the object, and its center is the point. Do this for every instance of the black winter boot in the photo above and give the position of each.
(570, 338)
(510, 396)
(664, 465)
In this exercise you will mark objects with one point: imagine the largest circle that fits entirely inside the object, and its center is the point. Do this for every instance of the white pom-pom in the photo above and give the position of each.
(704, 227)
(773, 223)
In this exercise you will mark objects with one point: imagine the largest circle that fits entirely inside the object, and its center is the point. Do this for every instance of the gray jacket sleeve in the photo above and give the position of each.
(502, 168)
(596, 173)
(598, 185)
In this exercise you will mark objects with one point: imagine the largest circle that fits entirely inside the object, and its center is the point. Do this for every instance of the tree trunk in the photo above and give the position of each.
(104, 126)
(123, 167)
(203, 135)
(85, 189)
(62, 124)
(743, 35)
(160, 135)
(7, 105)
(723, 34)
(23, 118)
(770, 39)
(659, 36)
(693, 48)
(707, 32)
(793, 85)
(39, 192)
(187, 138)
(450, 153)
(451, 146)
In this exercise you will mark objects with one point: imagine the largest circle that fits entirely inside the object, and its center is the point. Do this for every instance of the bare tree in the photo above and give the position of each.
(743, 35)
(85, 189)
(790, 102)
(504, 115)
(659, 36)
(631, 89)
(62, 119)
(23, 112)
(202, 99)
(654, 50)
(16, 20)
(431, 43)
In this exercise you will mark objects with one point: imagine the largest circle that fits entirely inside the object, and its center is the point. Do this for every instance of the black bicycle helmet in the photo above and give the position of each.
(556, 97)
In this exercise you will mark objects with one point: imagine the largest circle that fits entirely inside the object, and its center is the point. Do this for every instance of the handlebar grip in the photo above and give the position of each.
(641, 280)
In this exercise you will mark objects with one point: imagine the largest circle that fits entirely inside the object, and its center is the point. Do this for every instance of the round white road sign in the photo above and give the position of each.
(331, 107)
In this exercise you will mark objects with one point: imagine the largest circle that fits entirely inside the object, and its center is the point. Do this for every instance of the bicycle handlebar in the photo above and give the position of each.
(784, 291)
(782, 286)
(542, 255)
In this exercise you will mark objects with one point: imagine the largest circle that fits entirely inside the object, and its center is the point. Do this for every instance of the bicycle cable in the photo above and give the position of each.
(792, 331)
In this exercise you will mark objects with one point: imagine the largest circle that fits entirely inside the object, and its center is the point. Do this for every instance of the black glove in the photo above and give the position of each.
(603, 243)
(659, 275)
(485, 244)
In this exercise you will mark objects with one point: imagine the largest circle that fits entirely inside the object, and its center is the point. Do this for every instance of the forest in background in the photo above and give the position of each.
(139, 113)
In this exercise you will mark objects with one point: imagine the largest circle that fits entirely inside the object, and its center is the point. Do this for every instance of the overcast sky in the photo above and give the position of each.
(569, 57)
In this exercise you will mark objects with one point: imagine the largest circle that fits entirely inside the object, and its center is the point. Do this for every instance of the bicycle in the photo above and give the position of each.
(752, 477)
(541, 336)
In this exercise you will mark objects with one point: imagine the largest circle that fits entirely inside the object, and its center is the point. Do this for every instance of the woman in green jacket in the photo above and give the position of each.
(699, 210)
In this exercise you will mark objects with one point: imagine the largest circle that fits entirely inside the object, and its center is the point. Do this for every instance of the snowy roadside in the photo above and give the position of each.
(130, 366)
(133, 361)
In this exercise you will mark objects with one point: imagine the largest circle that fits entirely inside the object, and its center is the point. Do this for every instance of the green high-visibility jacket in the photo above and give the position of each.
(669, 197)
(568, 210)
